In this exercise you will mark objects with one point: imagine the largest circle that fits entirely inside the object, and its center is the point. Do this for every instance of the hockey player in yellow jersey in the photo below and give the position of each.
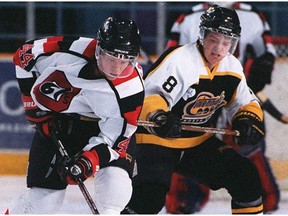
(186, 85)
(257, 54)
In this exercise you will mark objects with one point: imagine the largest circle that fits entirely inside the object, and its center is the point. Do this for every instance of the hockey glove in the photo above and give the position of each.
(170, 125)
(250, 126)
(38, 118)
(261, 72)
(84, 166)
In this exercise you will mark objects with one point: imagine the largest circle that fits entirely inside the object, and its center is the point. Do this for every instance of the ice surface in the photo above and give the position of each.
(12, 186)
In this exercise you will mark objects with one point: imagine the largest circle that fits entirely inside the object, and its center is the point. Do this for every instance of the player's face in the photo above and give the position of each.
(216, 47)
(114, 65)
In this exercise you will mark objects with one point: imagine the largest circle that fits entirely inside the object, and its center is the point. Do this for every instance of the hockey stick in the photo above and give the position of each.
(194, 128)
(80, 183)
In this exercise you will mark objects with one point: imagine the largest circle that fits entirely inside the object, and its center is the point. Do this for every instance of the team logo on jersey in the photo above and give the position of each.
(202, 108)
(189, 93)
(55, 92)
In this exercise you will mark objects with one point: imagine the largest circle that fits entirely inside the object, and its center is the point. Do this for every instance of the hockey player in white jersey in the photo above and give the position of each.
(187, 85)
(256, 53)
(91, 91)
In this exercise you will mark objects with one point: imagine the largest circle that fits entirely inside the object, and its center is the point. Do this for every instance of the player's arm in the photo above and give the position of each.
(84, 165)
(155, 109)
(270, 108)
(249, 122)
(174, 34)
(260, 64)
(108, 146)
(246, 115)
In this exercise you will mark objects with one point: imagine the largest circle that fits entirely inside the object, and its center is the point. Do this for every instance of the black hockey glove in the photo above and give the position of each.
(39, 119)
(42, 120)
(261, 72)
(250, 126)
(170, 125)
(82, 167)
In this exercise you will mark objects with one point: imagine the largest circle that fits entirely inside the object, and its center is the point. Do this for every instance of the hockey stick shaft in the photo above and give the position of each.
(80, 183)
(194, 128)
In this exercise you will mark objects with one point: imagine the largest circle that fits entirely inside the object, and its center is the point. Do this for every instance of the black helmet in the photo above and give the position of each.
(120, 36)
(222, 20)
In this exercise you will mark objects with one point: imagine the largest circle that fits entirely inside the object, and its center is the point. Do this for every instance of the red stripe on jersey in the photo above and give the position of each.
(56, 38)
(171, 43)
(132, 117)
(16, 57)
(90, 49)
(180, 18)
(267, 38)
(52, 44)
(247, 66)
(236, 5)
(118, 81)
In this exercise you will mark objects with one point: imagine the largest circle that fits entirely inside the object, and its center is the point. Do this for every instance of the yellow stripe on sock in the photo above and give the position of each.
(248, 210)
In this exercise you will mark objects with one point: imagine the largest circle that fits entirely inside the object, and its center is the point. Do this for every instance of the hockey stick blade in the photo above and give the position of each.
(194, 128)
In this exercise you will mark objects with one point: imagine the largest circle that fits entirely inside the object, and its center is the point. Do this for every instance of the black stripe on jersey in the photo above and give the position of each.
(87, 72)
(32, 41)
(64, 46)
(66, 51)
(160, 59)
(26, 84)
(66, 43)
(129, 104)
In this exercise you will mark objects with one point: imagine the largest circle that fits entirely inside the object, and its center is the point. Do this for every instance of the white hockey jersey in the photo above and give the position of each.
(181, 82)
(58, 73)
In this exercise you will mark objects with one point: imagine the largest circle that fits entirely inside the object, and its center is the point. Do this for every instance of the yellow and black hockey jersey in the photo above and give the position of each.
(180, 81)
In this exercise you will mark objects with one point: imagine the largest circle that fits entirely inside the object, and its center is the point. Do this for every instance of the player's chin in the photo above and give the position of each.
(214, 60)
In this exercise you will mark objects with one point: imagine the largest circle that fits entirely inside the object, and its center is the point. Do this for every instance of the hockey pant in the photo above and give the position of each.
(187, 196)
(212, 163)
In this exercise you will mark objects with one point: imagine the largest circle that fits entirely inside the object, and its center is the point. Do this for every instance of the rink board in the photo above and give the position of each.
(13, 163)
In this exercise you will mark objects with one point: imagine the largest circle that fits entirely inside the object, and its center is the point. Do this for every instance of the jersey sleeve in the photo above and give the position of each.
(168, 80)
(174, 34)
(33, 57)
(244, 99)
(27, 55)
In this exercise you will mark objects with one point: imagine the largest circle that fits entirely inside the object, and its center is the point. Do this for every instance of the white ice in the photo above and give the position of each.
(12, 186)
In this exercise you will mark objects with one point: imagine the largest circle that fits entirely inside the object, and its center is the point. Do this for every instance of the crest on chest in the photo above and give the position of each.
(201, 109)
